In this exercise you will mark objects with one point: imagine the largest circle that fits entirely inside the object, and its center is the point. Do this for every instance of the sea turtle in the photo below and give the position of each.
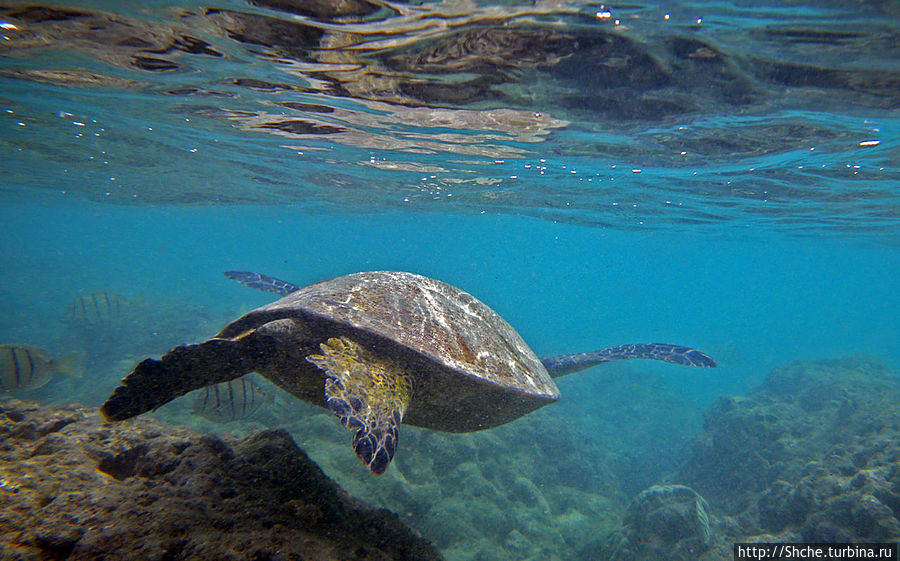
(378, 348)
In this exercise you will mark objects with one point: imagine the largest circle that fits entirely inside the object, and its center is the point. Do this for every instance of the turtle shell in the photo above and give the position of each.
(471, 370)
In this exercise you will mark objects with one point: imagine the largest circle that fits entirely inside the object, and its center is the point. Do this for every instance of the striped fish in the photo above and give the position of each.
(26, 368)
(229, 401)
(97, 308)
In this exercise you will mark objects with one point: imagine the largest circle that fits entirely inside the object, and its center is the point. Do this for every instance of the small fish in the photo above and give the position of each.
(229, 401)
(26, 368)
(97, 307)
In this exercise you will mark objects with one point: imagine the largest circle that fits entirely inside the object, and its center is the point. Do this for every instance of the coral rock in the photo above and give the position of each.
(74, 487)
(812, 455)
(664, 522)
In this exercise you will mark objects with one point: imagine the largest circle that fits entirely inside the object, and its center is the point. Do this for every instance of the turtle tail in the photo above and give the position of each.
(676, 354)
(153, 383)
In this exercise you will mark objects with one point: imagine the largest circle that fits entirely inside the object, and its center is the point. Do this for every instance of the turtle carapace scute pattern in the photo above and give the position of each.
(377, 349)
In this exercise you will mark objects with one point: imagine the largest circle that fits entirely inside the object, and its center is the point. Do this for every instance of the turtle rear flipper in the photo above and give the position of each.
(369, 394)
(677, 354)
(153, 383)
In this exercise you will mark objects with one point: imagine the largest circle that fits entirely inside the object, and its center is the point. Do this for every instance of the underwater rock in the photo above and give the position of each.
(486, 496)
(663, 523)
(74, 487)
(811, 455)
(558, 480)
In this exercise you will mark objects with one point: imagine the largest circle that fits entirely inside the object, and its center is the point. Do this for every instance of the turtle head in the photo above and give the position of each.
(375, 447)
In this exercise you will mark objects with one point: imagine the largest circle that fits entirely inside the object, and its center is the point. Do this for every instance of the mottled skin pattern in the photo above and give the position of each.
(676, 354)
(463, 366)
(377, 348)
(369, 394)
(556, 365)
(471, 370)
(432, 318)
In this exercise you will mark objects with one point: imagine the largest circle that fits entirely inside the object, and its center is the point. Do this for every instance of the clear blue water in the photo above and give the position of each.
(737, 189)
(566, 288)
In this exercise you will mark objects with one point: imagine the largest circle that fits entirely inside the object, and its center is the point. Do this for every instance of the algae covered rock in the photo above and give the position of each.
(73, 487)
(663, 523)
(812, 455)
(548, 486)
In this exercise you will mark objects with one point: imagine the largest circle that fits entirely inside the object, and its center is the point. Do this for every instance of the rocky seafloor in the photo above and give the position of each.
(812, 454)
(73, 487)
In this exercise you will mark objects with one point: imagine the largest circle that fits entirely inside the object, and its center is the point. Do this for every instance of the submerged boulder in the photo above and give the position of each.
(812, 455)
(663, 523)
(74, 487)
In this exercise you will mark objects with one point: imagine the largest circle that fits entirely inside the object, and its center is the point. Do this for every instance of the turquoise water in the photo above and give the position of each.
(565, 288)
(725, 177)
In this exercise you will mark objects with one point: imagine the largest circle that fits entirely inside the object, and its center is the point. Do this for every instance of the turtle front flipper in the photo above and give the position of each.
(369, 394)
(676, 354)
(153, 383)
